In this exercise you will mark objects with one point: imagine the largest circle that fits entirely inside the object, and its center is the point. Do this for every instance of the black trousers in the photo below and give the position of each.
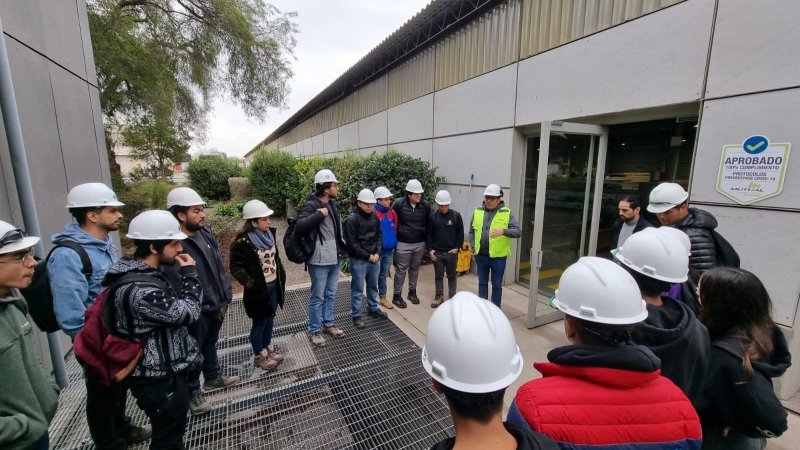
(445, 263)
(166, 402)
(105, 414)
(206, 332)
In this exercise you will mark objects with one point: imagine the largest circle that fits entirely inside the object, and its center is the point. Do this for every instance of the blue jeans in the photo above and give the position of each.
(363, 270)
(261, 331)
(324, 280)
(497, 266)
(387, 257)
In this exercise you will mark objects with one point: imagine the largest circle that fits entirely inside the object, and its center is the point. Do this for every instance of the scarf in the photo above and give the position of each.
(262, 241)
(381, 208)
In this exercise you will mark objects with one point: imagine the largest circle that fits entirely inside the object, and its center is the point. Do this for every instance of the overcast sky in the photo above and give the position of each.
(333, 35)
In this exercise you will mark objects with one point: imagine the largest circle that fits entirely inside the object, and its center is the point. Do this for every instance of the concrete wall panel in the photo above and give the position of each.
(418, 149)
(487, 155)
(94, 97)
(730, 121)
(379, 149)
(308, 149)
(372, 130)
(482, 103)
(317, 145)
(412, 120)
(23, 21)
(63, 37)
(658, 59)
(348, 136)
(754, 48)
(330, 141)
(86, 41)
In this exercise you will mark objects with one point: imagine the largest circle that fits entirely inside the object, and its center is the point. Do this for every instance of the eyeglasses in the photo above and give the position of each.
(12, 236)
(21, 258)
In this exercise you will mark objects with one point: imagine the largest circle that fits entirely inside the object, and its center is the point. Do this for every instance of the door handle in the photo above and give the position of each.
(539, 259)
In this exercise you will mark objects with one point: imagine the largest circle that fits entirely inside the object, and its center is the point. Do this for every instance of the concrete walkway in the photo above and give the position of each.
(534, 343)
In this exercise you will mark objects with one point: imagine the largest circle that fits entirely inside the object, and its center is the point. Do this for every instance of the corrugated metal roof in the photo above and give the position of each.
(438, 19)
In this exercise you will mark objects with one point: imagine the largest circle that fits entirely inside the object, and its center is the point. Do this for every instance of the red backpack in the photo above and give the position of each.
(102, 350)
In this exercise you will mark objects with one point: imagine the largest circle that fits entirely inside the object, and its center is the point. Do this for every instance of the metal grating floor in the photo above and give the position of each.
(366, 390)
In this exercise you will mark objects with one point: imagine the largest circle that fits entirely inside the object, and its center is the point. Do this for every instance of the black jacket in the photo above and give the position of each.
(362, 234)
(309, 219)
(526, 439)
(617, 227)
(698, 225)
(731, 398)
(412, 223)
(246, 268)
(217, 287)
(446, 231)
(675, 335)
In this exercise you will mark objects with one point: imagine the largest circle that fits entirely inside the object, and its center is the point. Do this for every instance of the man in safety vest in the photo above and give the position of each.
(491, 229)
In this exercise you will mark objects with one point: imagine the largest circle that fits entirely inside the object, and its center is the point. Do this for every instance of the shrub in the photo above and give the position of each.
(231, 209)
(208, 175)
(273, 179)
(141, 196)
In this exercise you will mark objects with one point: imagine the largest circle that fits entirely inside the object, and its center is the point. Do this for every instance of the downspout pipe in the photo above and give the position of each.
(22, 179)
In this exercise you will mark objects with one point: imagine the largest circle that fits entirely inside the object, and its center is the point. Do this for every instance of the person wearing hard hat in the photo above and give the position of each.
(388, 218)
(320, 222)
(629, 221)
(474, 387)
(362, 234)
(445, 237)
(602, 390)
(669, 202)
(256, 264)
(413, 215)
(656, 259)
(491, 229)
(188, 207)
(28, 394)
(686, 291)
(157, 313)
(95, 208)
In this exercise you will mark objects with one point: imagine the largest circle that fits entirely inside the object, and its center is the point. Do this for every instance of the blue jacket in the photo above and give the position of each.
(72, 292)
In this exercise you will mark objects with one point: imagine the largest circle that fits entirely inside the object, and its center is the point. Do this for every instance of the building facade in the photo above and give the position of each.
(569, 105)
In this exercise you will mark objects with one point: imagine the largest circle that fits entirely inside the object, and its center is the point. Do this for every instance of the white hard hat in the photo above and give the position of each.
(493, 190)
(155, 225)
(183, 196)
(680, 236)
(13, 239)
(598, 290)
(325, 176)
(366, 196)
(443, 198)
(255, 209)
(88, 195)
(459, 330)
(382, 192)
(655, 254)
(666, 196)
(414, 186)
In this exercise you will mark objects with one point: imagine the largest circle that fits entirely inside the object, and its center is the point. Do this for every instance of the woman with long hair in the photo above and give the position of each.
(739, 408)
(255, 264)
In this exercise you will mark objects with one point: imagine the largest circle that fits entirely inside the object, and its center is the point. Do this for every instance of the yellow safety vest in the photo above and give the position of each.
(499, 246)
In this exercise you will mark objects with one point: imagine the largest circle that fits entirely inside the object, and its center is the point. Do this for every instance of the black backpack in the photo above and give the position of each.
(726, 254)
(297, 248)
(40, 297)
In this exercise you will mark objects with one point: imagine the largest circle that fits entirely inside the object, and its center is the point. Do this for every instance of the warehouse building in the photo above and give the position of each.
(569, 105)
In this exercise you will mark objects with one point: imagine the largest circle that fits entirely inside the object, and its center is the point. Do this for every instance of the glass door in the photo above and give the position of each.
(569, 166)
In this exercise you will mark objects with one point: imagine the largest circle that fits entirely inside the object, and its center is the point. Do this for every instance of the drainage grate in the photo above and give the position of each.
(366, 390)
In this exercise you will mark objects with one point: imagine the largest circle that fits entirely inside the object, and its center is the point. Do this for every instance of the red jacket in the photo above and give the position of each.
(580, 404)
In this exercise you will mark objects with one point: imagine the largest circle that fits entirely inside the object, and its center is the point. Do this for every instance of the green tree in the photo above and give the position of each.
(208, 175)
(163, 60)
(158, 144)
(273, 178)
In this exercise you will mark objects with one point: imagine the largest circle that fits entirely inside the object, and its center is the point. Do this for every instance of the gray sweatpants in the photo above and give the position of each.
(407, 258)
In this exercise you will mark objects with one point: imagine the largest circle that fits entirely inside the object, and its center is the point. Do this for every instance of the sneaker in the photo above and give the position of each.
(398, 301)
(139, 434)
(383, 301)
(198, 404)
(437, 300)
(220, 382)
(359, 323)
(333, 331)
(378, 313)
(412, 297)
(317, 339)
(265, 363)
